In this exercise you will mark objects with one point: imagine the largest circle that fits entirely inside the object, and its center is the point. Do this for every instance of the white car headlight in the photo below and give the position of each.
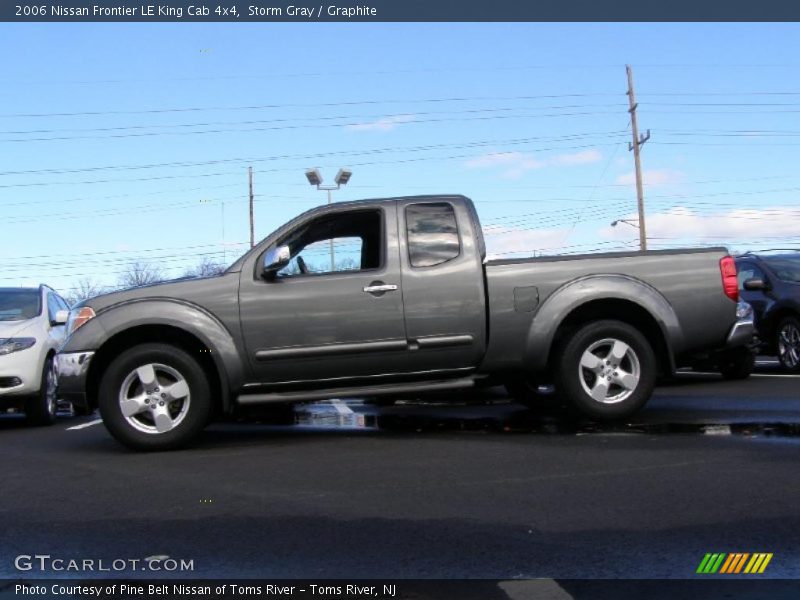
(9, 345)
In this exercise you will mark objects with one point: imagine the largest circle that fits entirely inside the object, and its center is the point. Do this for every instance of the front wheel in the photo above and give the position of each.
(606, 370)
(155, 397)
(788, 343)
(41, 408)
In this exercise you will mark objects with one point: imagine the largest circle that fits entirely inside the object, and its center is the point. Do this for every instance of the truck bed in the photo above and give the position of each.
(687, 279)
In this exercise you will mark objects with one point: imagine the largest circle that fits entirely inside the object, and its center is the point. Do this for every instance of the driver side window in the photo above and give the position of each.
(344, 242)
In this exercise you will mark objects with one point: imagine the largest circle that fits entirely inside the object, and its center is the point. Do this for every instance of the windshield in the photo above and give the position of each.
(786, 268)
(18, 305)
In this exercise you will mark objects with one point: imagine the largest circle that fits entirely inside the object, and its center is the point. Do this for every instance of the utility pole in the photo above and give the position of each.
(638, 141)
(252, 230)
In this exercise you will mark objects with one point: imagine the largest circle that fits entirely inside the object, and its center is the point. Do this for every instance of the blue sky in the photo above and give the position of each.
(125, 142)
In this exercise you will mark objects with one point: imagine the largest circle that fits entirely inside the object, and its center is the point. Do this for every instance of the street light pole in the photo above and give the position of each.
(315, 178)
(333, 259)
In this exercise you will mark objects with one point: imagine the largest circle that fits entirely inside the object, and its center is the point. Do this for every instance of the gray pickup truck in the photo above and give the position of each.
(391, 297)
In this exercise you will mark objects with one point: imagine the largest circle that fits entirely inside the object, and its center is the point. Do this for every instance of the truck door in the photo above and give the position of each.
(443, 285)
(336, 310)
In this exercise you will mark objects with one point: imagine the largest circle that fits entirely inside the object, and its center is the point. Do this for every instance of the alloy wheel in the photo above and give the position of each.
(609, 371)
(789, 345)
(51, 395)
(154, 398)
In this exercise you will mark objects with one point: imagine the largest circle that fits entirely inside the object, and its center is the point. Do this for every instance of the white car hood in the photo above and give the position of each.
(16, 328)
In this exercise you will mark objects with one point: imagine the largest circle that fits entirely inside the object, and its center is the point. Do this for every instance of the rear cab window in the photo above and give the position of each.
(432, 233)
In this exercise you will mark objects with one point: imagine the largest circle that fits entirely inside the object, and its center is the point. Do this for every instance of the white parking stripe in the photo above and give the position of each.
(341, 407)
(85, 425)
(752, 375)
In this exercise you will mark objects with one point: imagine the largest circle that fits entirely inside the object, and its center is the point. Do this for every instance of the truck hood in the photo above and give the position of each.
(181, 289)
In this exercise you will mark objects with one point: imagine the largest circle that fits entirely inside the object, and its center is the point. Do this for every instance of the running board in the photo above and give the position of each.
(356, 392)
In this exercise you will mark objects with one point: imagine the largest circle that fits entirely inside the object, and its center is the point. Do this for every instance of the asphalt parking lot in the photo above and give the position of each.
(485, 489)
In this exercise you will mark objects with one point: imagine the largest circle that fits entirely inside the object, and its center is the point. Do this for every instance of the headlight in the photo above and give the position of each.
(9, 345)
(77, 317)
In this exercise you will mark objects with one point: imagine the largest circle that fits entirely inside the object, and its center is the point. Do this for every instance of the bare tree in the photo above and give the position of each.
(205, 268)
(83, 290)
(140, 273)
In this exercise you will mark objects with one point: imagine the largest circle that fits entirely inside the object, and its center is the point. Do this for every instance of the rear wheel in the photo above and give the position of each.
(606, 370)
(155, 397)
(41, 409)
(788, 343)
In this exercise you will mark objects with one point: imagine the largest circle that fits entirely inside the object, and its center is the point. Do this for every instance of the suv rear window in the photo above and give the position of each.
(432, 234)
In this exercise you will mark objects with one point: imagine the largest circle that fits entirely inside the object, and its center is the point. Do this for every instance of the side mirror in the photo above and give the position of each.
(275, 259)
(61, 318)
(755, 285)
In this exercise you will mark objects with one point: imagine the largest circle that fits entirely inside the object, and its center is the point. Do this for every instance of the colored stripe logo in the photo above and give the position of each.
(734, 563)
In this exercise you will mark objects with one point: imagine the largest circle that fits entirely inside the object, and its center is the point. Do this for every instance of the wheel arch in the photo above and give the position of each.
(779, 313)
(594, 298)
(169, 322)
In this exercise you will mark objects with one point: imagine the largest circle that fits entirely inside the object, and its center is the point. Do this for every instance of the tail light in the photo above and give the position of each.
(730, 283)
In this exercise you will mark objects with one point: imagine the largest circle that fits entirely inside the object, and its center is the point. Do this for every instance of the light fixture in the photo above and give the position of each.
(343, 176)
(314, 176)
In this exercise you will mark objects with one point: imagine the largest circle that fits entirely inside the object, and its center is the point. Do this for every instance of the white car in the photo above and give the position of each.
(31, 329)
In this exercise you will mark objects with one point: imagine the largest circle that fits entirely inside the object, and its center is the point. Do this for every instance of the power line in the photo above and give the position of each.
(284, 169)
(371, 102)
(322, 118)
(295, 127)
(111, 252)
(389, 149)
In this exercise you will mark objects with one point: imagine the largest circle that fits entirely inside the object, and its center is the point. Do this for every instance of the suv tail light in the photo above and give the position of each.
(730, 284)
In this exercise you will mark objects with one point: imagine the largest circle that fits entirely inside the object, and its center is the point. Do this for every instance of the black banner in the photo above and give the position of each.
(711, 588)
(399, 10)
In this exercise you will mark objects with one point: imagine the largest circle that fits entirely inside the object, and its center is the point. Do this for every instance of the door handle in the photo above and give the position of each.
(380, 287)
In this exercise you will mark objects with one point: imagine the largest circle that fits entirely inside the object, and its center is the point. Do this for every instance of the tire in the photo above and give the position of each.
(737, 364)
(155, 397)
(611, 359)
(787, 341)
(41, 408)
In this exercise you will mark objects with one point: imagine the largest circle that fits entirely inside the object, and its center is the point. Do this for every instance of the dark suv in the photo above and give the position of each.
(770, 282)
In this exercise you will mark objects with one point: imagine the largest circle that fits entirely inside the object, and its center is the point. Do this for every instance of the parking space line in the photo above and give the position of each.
(751, 375)
(85, 425)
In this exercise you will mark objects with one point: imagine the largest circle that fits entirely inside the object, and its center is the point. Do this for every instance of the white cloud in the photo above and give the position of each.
(516, 164)
(382, 124)
(653, 177)
(682, 223)
(586, 157)
(502, 241)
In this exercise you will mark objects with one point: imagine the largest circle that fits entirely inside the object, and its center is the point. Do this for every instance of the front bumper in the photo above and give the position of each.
(20, 372)
(742, 332)
(72, 369)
